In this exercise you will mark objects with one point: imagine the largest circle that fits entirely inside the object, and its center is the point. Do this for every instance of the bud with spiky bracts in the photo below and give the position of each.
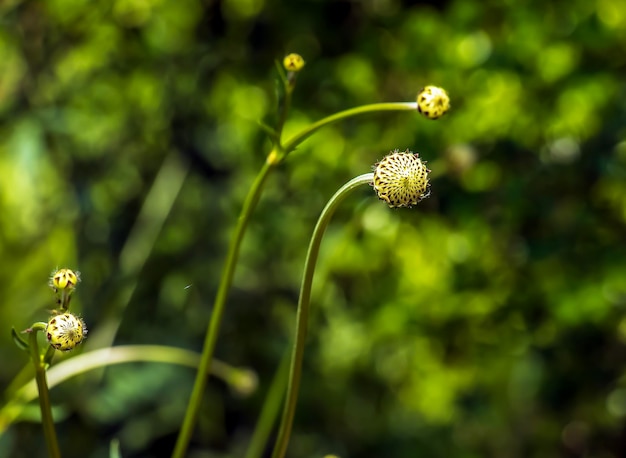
(65, 331)
(401, 179)
(63, 282)
(64, 279)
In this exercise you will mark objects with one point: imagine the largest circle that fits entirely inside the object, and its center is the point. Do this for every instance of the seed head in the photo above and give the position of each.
(401, 179)
(65, 331)
(433, 102)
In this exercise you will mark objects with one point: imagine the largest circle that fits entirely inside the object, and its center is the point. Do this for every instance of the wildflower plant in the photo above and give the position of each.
(432, 102)
(63, 331)
(400, 179)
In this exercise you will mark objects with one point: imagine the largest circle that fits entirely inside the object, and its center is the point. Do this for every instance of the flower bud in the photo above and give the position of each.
(65, 331)
(293, 62)
(401, 179)
(433, 102)
(64, 279)
(244, 382)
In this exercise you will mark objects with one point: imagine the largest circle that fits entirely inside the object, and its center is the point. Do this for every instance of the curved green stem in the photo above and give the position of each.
(105, 357)
(47, 421)
(305, 133)
(218, 311)
(302, 319)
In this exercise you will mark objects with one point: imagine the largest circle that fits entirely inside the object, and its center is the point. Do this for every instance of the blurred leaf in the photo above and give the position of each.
(19, 342)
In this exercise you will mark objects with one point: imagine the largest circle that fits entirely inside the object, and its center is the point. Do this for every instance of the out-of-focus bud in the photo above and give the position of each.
(293, 62)
(433, 102)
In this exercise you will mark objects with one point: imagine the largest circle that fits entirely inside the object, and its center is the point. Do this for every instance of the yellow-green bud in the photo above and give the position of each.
(64, 279)
(244, 381)
(65, 331)
(433, 102)
(293, 62)
(401, 179)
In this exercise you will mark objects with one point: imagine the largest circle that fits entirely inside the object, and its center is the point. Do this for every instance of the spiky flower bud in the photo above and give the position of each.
(433, 102)
(64, 279)
(65, 331)
(293, 62)
(401, 179)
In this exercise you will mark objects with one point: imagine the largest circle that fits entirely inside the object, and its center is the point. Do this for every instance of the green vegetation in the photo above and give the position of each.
(488, 320)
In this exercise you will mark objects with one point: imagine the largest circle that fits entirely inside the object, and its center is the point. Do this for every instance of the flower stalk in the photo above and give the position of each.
(401, 180)
(302, 318)
(63, 332)
(47, 422)
(193, 407)
(309, 130)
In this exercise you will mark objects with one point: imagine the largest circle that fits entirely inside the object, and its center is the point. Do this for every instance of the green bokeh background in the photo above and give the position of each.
(486, 322)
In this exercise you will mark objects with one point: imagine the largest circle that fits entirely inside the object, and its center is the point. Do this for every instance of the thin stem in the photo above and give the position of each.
(289, 84)
(305, 133)
(218, 311)
(270, 410)
(47, 358)
(47, 421)
(302, 319)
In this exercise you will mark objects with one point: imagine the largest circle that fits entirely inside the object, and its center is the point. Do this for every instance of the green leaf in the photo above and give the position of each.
(21, 343)
(269, 130)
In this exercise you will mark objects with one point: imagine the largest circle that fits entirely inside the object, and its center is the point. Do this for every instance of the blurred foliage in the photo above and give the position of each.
(486, 322)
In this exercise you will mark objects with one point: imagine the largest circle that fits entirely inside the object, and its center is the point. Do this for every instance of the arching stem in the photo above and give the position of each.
(302, 318)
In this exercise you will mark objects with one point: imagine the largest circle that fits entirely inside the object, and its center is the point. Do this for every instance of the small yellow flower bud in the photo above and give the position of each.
(65, 331)
(401, 179)
(293, 62)
(64, 279)
(433, 102)
(244, 382)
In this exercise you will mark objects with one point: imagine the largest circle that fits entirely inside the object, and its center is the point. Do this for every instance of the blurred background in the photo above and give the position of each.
(486, 322)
